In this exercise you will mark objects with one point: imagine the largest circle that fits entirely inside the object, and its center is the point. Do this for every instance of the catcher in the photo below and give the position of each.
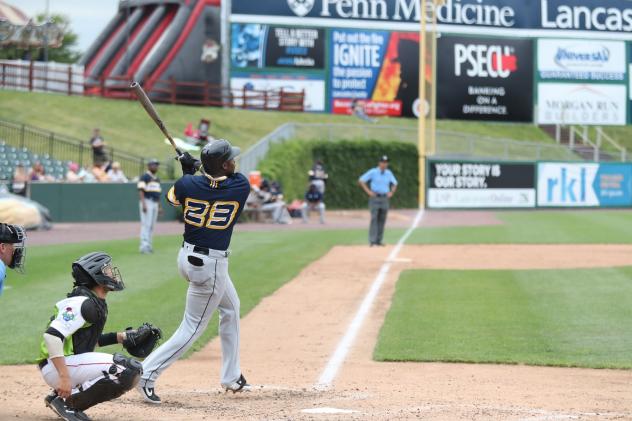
(81, 377)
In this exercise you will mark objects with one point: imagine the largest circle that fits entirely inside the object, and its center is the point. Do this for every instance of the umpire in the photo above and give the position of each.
(380, 184)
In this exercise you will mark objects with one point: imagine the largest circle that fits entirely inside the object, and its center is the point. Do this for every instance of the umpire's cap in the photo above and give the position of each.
(215, 153)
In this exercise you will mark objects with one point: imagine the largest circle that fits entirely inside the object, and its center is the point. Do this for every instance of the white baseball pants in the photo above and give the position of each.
(84, 369)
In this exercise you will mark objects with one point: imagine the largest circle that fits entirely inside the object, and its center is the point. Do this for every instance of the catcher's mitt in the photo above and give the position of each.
(140, 342)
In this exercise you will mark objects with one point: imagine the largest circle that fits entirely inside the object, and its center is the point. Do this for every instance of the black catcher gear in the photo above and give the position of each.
(140, 342)
(111, 386)
(14, 234)
(96, 269)
(215, 153)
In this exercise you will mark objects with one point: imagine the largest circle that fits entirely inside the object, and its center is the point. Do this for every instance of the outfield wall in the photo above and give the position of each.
(102, 202)
(542, 61)
(510, 185)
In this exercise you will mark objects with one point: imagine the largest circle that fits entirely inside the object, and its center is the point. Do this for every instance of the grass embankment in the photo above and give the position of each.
(125, 125)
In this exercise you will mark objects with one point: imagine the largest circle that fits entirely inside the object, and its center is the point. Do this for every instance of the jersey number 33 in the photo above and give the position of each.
(216, 216)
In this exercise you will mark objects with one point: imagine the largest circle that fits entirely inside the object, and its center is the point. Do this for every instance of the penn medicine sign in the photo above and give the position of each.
(570, 15)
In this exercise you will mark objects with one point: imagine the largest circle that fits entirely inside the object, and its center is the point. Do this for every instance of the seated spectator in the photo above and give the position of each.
(116, 174)
(357, 109)
(86, 176)
(72, 176)
(98, 171)
(264, 199)
(38, 173)
(313, 201)
(19, 183)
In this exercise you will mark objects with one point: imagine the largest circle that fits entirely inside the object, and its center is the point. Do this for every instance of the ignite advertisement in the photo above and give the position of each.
(378, 68)
(260, 46)
(485, 79)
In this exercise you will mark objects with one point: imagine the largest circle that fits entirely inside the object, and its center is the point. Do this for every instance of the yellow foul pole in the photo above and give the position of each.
(422, 106)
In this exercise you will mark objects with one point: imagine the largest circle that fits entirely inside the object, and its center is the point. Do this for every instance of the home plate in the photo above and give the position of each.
(328, 411)
(400, 260)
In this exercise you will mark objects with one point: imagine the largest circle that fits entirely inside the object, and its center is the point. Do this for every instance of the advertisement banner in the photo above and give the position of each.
(481, 185)
(581, 60)
(378, 68)
(584, 185)
(260, 46)
(504, 17)
(244, 82)
(589, 104)
(485, 79)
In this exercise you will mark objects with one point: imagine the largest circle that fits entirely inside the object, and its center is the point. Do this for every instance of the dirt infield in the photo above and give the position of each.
(290, 336)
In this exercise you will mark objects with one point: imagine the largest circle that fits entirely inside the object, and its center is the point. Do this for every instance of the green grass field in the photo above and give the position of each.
(562, 318)
(125, 125)
(538, 227)
(540, 317)
(544, 317)
(260, 264)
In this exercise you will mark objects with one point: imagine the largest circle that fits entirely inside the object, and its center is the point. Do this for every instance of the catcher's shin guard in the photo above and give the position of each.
(107, 388)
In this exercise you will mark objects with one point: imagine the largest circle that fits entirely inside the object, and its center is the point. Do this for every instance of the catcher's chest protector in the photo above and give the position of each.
(86, 338)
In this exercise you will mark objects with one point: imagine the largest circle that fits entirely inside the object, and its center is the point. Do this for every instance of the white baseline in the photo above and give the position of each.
(344, 346)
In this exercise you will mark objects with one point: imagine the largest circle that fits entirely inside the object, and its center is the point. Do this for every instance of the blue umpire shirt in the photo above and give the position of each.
(3, 274)
(380, 180)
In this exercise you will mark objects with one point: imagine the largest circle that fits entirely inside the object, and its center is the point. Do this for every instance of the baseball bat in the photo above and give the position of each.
(149, 107)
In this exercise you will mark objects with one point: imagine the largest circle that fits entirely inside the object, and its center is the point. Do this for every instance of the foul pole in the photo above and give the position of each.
(427, 97)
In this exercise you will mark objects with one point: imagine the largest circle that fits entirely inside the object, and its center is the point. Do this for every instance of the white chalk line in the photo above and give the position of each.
(330, 372)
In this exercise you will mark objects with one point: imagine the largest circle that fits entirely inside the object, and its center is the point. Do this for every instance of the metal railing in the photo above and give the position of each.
(69, 79)
(448, 144)
(63, 148)
(583, 135)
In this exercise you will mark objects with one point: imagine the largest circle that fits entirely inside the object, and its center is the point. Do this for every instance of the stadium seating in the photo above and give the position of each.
(10, 156)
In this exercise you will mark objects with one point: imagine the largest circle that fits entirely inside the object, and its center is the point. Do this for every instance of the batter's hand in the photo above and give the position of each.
(389, 194)
(64, 387)
(189, 164)
(144, 207)
(372, 194)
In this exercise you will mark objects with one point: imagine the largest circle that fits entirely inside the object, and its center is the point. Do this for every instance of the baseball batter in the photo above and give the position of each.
(12, 250)
(212, 203)
(80, 377)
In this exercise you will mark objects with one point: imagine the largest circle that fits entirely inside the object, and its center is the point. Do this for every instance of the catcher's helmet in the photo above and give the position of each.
(215, 153)
(96, 269)
(14, 234)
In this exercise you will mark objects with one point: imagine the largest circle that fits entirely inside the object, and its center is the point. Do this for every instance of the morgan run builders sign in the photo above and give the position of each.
(534, 17)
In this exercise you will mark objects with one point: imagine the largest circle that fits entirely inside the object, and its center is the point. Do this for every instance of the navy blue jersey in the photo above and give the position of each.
(150, 185)
(313, 196)
(210, 208)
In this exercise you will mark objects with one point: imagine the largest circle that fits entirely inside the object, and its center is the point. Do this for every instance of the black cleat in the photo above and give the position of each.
(58, 406)
(149, 395)
(241, 385)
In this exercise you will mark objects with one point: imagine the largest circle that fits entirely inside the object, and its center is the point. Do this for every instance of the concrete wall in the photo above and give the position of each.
(103, 202)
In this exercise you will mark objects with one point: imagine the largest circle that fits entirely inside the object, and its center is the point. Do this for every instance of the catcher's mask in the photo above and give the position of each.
(96, 269)
(16, 236)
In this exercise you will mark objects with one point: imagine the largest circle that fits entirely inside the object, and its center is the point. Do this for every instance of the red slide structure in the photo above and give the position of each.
(157, 40)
